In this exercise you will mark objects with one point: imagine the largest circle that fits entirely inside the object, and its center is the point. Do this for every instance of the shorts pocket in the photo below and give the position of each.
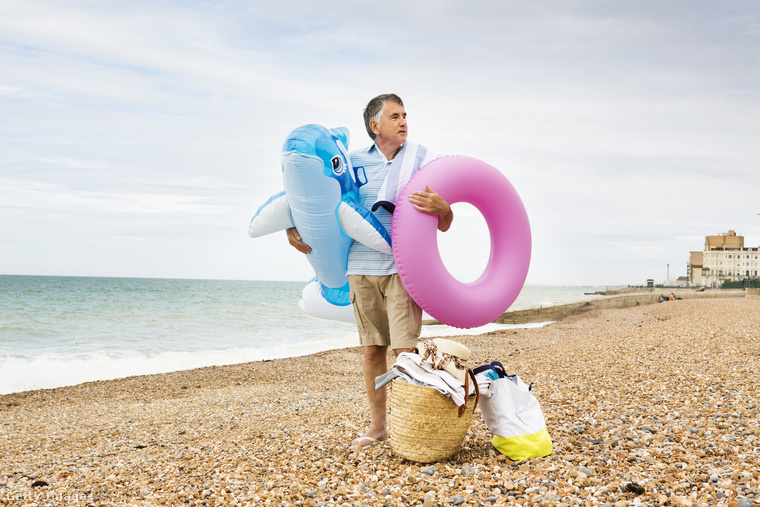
(357, 314)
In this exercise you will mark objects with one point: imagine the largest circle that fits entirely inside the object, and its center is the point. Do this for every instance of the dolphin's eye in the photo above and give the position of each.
(337, 165)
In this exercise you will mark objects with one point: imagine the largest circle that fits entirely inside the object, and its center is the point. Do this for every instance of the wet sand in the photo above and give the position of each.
(651, 405)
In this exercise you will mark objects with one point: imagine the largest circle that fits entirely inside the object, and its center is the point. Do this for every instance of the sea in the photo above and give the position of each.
(58, 330)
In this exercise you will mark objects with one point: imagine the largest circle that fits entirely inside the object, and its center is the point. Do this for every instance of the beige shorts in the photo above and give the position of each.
(385, 314)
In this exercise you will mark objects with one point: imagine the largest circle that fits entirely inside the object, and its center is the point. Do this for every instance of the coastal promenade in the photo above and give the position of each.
(655, 404)
(616, 298)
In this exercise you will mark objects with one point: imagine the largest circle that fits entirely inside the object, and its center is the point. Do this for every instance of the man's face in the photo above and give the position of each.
(392, 126)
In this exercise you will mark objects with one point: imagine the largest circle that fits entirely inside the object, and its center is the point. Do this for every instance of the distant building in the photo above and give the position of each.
(724, 258)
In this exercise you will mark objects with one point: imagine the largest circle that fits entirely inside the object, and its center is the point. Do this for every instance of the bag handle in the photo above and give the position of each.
(495, 366)
(467, 377)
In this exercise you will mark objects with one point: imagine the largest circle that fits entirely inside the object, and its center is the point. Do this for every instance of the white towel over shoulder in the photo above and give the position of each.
(409, 159)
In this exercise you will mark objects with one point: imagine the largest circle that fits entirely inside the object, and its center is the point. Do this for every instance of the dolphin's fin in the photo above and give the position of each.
(272, 216)
(359, 223)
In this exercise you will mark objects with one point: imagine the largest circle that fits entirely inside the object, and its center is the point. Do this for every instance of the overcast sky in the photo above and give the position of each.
(137, 138)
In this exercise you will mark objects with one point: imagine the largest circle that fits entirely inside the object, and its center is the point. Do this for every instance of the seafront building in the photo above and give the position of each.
(725, 258)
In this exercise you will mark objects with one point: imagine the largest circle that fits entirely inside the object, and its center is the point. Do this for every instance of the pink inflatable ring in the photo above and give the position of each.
(415, 243)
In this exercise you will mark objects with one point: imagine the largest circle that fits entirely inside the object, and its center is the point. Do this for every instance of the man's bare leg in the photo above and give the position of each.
(375, 364)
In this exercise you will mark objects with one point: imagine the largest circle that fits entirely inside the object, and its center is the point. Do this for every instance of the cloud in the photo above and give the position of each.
(628, 129)
(36, 195)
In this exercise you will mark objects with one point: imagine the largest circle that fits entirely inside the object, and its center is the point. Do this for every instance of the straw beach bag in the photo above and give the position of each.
(425, 425)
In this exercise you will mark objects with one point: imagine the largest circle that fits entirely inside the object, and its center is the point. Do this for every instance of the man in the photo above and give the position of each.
(385, 314)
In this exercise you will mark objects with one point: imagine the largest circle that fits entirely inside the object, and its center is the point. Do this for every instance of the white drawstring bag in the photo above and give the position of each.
(514, 416)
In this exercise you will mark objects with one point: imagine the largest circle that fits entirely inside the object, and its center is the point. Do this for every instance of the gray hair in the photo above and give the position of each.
(375, 108)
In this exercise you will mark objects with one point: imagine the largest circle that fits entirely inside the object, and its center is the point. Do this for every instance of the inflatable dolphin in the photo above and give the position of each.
(321, 199)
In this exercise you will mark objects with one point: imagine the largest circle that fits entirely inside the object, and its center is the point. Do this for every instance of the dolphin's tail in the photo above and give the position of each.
(314, 303)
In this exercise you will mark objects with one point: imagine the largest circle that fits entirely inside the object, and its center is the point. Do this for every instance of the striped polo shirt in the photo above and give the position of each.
(363, 260)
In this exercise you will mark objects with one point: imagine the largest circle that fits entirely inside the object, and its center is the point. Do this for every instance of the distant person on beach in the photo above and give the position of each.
(385, 314)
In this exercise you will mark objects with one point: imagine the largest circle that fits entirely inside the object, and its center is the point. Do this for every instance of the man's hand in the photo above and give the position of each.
(432, 203)
(295, 240)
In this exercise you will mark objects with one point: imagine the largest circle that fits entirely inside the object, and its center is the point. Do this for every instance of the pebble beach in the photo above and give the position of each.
(656, 404)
